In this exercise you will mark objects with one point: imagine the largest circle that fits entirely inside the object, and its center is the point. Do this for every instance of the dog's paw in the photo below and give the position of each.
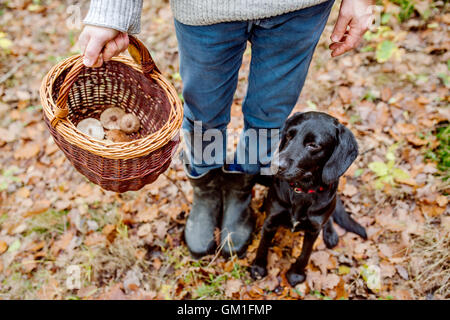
(361, 231)
(295, 278)
(258, 272)
(330, 237)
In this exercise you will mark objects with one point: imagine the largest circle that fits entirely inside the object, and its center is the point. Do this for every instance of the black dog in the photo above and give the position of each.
(315, 150)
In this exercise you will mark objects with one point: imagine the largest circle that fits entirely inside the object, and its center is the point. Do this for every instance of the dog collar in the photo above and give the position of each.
(300, 190)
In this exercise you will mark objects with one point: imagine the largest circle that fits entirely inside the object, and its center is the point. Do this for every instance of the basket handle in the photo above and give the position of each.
(138, 52)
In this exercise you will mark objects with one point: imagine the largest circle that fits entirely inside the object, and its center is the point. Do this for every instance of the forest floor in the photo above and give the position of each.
(393, 93)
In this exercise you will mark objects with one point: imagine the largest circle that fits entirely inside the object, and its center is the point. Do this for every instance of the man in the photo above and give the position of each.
(212, 37)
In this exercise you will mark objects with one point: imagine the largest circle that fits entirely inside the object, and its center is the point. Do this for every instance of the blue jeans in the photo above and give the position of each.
(210, 58)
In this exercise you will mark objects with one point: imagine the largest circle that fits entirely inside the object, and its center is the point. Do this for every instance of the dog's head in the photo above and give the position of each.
(314, 145)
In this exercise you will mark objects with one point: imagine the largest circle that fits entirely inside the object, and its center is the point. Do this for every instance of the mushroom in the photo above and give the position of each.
(117, 136)
(110, 118)
(92, 127)
(130, 123)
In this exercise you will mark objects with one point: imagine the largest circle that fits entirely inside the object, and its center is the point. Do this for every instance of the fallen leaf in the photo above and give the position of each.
(33, 247)
(345, 94)
(402, 272)
(84, 190)
(321, 259)
(406, 180)
(161, 229)
(386, 94)
(23, 192)
(30, 150)
(387, 269)
(341, 293)
(343, 270)
(301, 288)
(62, 243)
(446, 223)
(3, 247)
(144, 230)
(132, 280)
(38, 208)
(385, 250)
(147, 215)
(157, 264)
(431, 210)
(442, 201)
(268, 283)
(14, 246)
(415, 140)
(232, 286)
(94, 239)
(349, 190)
(108, 231)
(7, 136)
(331, 281)
(315, 280)
(372, 277)
(405, 128)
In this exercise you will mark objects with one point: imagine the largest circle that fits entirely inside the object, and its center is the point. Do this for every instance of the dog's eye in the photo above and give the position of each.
(312, 146)
(290, 134)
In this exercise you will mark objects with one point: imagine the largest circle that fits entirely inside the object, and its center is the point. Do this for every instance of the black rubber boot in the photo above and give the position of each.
(205, 213)
(237, 219)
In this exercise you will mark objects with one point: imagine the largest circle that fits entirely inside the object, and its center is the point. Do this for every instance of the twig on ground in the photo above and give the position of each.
(13, 70)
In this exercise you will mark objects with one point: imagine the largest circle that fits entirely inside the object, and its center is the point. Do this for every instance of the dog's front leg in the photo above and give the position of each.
(296, 273)
(259, 267)
(329, 235)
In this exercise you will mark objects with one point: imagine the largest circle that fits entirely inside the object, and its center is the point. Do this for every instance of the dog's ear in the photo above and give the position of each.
(343, 156)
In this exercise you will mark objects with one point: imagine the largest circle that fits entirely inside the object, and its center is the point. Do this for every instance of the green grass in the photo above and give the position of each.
(442, 153)
(212, 287)
(406, 9)
(49, 222)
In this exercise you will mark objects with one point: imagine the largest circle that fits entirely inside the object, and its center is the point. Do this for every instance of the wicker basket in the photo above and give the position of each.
(70, 92)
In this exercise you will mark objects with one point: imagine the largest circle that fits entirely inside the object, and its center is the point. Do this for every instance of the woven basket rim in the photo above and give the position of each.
(113, 150)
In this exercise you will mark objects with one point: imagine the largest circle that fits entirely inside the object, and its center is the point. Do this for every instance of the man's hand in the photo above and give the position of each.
(357, 16)
(100, 44)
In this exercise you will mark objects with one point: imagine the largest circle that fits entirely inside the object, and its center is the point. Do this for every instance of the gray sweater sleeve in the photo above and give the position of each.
(122, 15)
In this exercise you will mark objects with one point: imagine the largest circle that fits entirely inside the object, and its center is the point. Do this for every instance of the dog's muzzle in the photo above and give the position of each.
(294, 225)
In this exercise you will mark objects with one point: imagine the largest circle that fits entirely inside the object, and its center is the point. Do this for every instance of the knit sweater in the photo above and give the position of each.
(125, 15)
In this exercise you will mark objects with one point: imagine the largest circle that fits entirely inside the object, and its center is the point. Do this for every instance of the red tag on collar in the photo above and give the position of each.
(298, 190)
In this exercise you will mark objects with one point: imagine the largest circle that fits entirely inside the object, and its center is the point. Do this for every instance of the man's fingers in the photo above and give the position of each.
(115, 46)
(122, 41)
(99, 62)
(92, 52)
(351, 40)
(335, 45)
(111, 49)
(340, 28)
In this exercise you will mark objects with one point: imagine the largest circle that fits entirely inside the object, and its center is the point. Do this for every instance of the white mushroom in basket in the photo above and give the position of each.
(92, 127)
(117, 136)
(110, 118)
(130, 123)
